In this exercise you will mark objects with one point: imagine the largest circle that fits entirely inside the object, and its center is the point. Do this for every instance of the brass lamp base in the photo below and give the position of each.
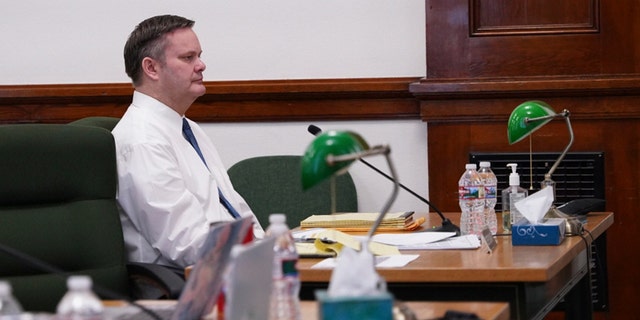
(573, 226)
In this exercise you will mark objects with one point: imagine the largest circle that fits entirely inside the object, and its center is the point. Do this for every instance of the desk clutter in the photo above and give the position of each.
(327, 242)
(529, 218)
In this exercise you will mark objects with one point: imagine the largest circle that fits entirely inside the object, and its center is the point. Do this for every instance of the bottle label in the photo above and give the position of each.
(289, 268)
(515, 213)
(490, 191)
(470, 192)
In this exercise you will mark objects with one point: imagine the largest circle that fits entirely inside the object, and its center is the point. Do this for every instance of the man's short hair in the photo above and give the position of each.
(148, 40)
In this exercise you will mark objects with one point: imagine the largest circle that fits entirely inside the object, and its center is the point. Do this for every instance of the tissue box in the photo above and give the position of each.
(550, 232)
(374, 307)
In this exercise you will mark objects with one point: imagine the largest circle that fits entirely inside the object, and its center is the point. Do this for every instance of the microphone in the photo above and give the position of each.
(447, 225)
(314, 130)
(49, 268)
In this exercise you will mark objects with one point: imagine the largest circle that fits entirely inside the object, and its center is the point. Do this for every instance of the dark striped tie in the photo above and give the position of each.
(188, 134)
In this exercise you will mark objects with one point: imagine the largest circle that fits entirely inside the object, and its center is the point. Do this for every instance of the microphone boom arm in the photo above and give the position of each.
(447, 225)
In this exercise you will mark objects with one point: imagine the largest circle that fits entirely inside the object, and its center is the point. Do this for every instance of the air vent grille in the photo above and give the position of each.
(579, 175)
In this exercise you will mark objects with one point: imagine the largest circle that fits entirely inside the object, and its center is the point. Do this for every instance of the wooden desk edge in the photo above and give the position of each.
(603, 226)
(422, 309)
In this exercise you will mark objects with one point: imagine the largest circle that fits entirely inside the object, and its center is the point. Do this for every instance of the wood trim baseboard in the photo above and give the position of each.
(592, 97)
(225, 101)
(620, 84)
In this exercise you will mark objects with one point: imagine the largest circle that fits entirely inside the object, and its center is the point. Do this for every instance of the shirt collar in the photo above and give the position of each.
(146, 102)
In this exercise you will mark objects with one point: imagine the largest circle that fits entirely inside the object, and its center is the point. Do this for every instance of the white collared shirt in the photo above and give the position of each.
(167, 194)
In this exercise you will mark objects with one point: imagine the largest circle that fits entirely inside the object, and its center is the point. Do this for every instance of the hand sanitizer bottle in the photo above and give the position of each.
(510, 196)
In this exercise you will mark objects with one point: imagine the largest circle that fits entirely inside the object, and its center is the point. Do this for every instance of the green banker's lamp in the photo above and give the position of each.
(526, 119)
(331, 153)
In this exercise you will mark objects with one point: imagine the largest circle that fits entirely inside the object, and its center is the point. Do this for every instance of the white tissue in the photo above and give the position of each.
(355, 274)
(535, 206)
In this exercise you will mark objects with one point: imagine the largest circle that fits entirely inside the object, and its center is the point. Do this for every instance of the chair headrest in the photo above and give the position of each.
(43, 163)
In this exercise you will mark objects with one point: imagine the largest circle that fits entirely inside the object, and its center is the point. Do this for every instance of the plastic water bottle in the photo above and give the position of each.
(285, 302)
(10, 308)
(471, 199)
(79, 302)
(490, 182)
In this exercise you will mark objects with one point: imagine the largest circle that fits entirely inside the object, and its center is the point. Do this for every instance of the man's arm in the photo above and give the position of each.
(154, 194)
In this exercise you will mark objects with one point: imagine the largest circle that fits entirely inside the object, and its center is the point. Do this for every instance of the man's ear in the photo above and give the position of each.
(150, 67)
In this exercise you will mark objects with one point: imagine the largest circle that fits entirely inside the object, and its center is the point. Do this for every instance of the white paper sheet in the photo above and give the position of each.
(413, 238)
(395, 261)
(470, 241)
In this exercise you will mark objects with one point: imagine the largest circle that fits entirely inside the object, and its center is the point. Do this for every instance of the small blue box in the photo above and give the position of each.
(549, 232)
(374, 307)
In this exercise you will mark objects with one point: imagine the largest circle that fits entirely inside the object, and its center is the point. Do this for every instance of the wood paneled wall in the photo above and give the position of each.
(485, 57)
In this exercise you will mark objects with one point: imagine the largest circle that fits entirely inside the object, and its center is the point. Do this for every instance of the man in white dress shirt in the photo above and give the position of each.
(168, 193)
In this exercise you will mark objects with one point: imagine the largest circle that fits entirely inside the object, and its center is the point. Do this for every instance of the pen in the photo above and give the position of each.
(312, 240)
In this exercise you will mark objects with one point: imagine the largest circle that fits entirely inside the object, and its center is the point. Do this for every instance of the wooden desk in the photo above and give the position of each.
(533, 279)
(422, 309)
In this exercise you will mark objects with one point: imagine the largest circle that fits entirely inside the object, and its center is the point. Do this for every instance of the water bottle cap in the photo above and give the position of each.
(5, 288)
(236, 250)
(470, 166)
(79, 283)
(277, 218)
(485, 164)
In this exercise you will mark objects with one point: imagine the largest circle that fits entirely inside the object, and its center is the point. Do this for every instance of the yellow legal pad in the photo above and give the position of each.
(362, 221)
(329, 242)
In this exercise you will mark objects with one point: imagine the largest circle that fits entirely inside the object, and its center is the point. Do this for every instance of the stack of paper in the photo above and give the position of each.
(398, 221)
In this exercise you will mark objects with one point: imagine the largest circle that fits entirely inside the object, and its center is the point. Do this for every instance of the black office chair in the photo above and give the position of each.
(272, 184)
(58, 206)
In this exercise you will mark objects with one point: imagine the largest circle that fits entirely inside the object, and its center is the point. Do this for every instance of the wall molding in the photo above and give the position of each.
(493, 99)
(442, 100)
(225, 101)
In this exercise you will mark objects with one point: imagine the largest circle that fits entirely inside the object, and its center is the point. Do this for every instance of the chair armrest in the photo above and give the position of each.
(152, 281)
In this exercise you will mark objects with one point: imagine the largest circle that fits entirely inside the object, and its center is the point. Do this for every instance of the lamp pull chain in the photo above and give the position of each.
(333, 193)
(530, 162)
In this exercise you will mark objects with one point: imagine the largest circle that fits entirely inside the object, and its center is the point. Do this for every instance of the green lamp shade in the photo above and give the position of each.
(315, 167)
(518, 128)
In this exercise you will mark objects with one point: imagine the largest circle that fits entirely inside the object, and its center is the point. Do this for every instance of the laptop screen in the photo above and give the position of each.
(199, 295)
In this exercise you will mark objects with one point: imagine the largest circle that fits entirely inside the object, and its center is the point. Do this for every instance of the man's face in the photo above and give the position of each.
(180, 74)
